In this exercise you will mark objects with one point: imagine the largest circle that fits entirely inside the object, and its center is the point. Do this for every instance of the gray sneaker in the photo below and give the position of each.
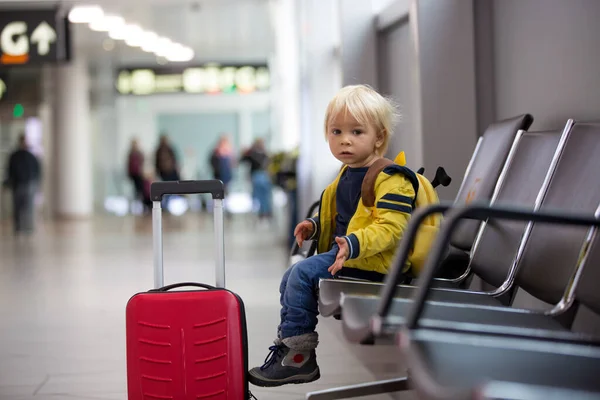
(284, 365)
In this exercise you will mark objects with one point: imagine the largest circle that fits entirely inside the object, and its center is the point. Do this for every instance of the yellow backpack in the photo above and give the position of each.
(426, 195)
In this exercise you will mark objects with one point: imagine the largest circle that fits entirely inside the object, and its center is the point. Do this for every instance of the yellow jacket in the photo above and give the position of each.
(373, 232)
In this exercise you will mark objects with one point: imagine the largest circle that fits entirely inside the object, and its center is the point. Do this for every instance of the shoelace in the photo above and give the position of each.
(275, 352)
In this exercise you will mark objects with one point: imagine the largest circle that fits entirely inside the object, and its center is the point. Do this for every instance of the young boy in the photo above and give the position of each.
(358, 124)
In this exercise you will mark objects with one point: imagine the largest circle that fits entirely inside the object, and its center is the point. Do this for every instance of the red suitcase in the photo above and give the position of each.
(191, 344)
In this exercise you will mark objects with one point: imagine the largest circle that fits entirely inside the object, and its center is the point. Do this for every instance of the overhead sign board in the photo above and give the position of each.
(33, 37)
(20, 85)
(203, 79)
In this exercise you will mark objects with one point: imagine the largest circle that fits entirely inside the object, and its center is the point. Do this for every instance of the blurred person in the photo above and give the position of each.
(147, 180)
(358, 125)
(221, 161)
(283, 168)
(262, 187)
(23, 177)
(135, 167)
(167, 167)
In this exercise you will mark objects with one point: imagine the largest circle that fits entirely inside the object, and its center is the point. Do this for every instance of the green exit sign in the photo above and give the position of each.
(18, 111)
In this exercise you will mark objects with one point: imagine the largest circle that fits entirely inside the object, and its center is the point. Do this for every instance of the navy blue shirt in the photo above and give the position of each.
(347, 196)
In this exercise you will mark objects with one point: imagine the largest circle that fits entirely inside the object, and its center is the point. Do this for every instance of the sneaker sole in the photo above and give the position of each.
(296, 379)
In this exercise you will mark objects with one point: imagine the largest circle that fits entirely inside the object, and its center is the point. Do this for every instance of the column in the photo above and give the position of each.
(285, 76)
(448, 104)
(72, 141)
(46, 114)
(321, 78)
(358, 43)
(108, 160)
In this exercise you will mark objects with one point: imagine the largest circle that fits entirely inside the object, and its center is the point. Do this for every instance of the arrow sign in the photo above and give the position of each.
(43, 35)
(34, 37)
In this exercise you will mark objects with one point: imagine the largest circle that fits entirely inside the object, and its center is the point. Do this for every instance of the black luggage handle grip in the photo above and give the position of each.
(183, 284)
(213, 186)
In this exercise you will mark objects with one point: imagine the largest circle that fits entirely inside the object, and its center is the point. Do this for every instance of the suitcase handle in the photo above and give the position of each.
(182, 284)
(157, 190)
(214, 186)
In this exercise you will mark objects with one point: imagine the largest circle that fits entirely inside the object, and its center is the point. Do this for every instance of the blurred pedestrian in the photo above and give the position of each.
(135, 168)
(221, 161)
(167, 167)
(262, 187)
(23, 178)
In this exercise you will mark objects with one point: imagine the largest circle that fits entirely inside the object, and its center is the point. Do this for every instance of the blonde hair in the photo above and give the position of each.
(368, 107)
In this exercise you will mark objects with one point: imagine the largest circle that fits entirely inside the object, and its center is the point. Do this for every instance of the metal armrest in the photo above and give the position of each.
(449, 362)
(475, 212)
(395, 275)
(313, 246)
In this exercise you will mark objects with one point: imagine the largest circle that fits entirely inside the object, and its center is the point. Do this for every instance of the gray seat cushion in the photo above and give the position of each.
(464, 361)
(330, 291)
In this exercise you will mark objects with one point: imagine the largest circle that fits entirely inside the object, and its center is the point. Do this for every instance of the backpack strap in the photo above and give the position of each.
(367, 189)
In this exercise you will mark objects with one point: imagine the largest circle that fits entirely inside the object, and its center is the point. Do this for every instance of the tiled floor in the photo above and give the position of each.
(63, 294)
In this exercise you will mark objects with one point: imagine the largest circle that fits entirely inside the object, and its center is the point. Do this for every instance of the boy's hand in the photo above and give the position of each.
(341, 257)
(303, 231)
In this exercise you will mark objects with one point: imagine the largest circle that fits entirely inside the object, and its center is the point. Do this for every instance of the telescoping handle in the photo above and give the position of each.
(160, 189)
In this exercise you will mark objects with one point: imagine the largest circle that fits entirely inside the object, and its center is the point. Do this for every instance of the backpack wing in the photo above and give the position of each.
(428, 230)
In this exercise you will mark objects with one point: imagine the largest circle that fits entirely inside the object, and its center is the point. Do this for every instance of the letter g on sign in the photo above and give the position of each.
(13, 39)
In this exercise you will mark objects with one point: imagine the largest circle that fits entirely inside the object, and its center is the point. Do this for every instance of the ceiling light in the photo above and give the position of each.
(117, 33)
(163, 46)
(125, 32)
(173, 51)
(107, 23)
(149, 47)
(179, 53)
(85, 14)
(142, 38)
(133, 35)
(149, 42)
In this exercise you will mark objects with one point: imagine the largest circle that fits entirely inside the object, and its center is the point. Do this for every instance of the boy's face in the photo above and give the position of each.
(351, 142)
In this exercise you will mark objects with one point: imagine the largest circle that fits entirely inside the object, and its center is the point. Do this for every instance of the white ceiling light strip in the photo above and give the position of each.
(85, 14)
(148, 41)
(133, 35)
(107, 23)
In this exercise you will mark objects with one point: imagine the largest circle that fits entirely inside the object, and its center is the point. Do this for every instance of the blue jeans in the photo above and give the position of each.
(298, 289)
(262, 192)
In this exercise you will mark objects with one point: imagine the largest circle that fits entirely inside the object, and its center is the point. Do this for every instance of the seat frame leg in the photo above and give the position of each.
(361, 389)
